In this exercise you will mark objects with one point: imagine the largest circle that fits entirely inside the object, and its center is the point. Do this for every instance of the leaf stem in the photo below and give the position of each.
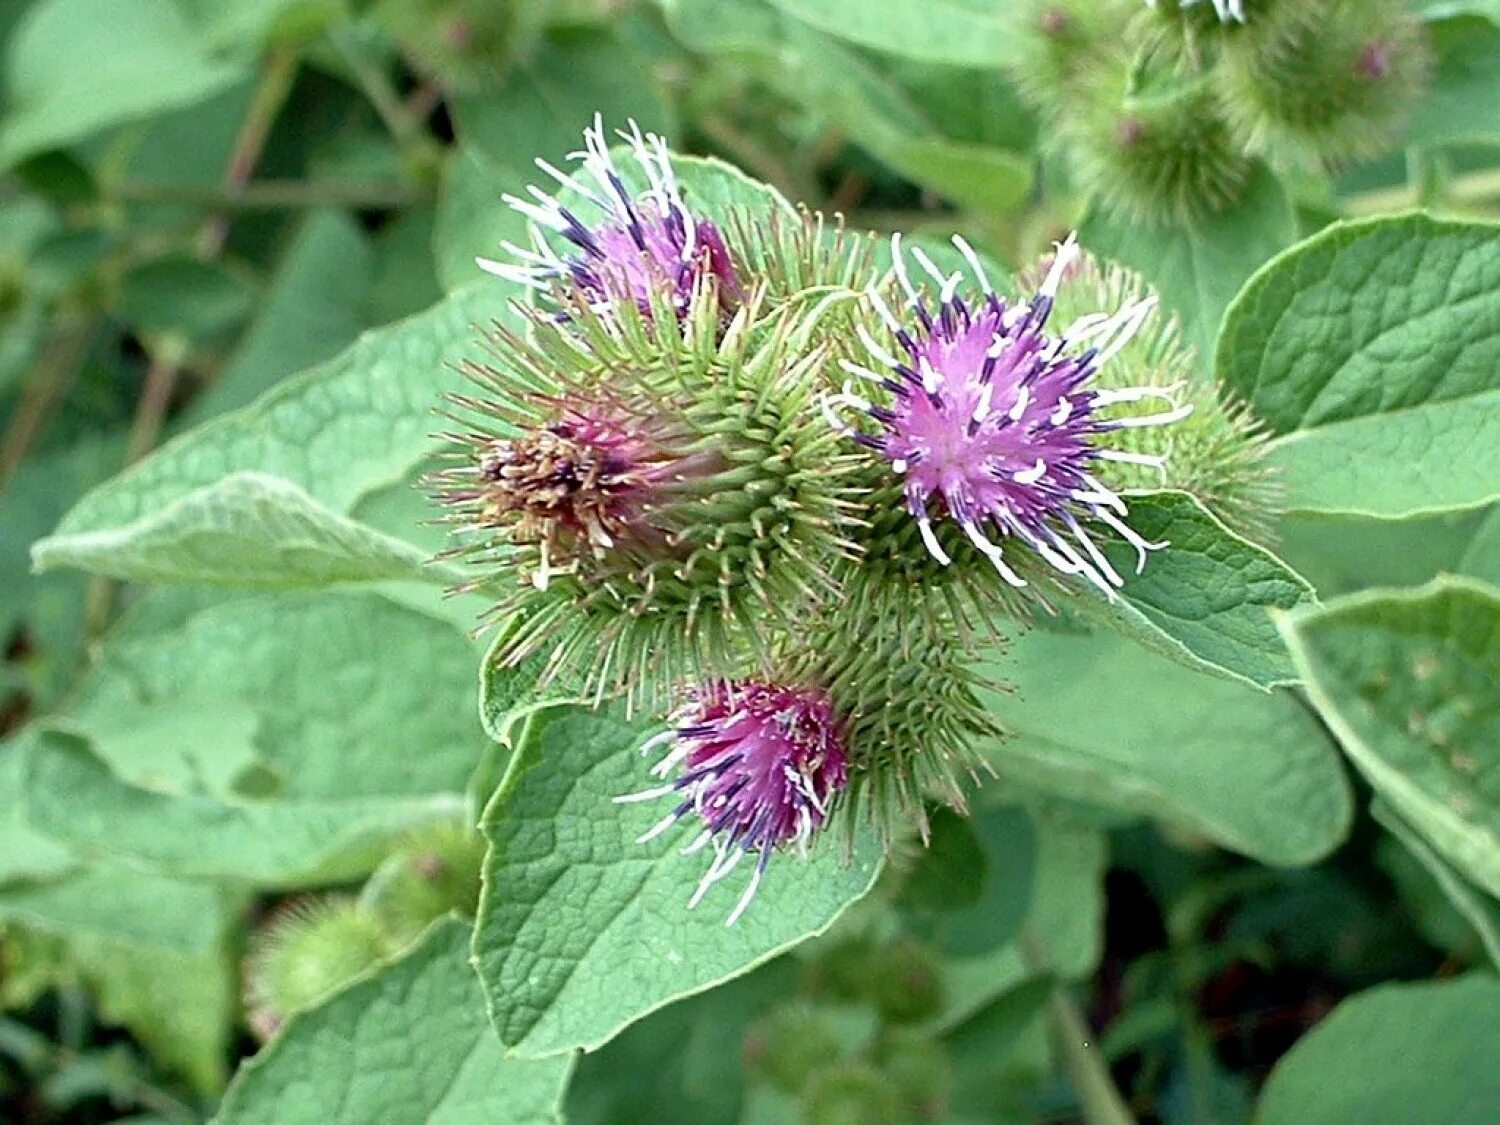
(55, 371)
(1099, 1098)
(1469, 190)
(272, 195)
(275, 85)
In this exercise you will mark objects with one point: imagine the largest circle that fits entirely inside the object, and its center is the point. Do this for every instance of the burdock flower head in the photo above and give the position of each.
(636, 245)
(991, 421)
(649, 497)
(755, 766)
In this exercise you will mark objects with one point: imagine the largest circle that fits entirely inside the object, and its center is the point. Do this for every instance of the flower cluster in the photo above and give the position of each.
(730, 461)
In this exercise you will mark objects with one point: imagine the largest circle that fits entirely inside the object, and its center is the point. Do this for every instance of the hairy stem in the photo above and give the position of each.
(56, 369)
(1099, 1098)
(1471, 190)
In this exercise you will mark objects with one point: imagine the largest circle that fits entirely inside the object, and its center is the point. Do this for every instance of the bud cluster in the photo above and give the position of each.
(1161, 109)
(730, 463)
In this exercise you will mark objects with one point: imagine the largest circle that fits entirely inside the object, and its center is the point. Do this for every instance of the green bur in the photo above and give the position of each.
(725, 526)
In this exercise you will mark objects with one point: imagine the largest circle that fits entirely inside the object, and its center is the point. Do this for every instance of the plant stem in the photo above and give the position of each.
(1099, 1098)
(56, 369)
(765, 163)
(1471, 189)
(273, 195)
(276, 79)
(379, 90)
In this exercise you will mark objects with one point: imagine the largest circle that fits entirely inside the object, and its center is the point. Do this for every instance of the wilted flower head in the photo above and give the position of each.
(639, 245)
(994, 419)
(1227, 9)
(757, 765)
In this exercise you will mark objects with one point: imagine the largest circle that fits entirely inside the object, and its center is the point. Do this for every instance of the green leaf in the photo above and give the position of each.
(1480, 912)
(73, 797)
(975, 33)
(1095, 719)
(1374, 349)
(24, 853)
(323, 747)
(246, 530)
(74, 67)
(155, 952)
(1393, 1055)
(311, 311)
(179, 295)
(1481, 558)
(1199, 266)
(550, 97)
(409, 1042)
(1064, 916)
(472, 221)
(1463, 102)
(1406, 680)
(1204, 601)
(581, 931)
(340, 431)
(1339, 554)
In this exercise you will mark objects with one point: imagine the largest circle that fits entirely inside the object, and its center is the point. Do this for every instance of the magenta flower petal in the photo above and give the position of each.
(991, 420)
(636, 248)
(757, 765)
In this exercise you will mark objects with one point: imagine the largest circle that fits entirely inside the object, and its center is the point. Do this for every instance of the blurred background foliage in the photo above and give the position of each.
(202, 199)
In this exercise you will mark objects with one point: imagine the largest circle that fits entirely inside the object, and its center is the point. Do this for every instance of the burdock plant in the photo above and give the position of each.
(642, 474)
(733, 463)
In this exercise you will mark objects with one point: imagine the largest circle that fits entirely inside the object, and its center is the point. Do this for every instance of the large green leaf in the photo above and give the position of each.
(582, 931)
(1463, 104)
(156, 953)
(74, 67)
(1393, 1055)
(550, 97)
(338, 432)
(540, 110)
(1204, 600)
(1407, 681)
(74, 797)
(1199, 266)
(974, 33)
(1374, 349)
(25, 854)
(281, 740)
(311, 312)
(1473, 906)
(1064, 920)
(408, 1042)
(1098, 720)
(245, 530)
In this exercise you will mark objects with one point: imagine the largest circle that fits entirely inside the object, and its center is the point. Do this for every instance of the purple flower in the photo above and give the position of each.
(992, 420)
(760, 765)
(639, 247)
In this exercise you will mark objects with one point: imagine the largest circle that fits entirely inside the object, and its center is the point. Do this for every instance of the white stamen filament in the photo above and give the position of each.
(1023, 400)
(963, 247)
(875, 349)
(934, 548)
(1150, 460)
(898, 260)
(993, 552)
(1063, 412)
(645, 795)
(1127, 533)
(746, 897)
(1067, 253)
(1033, 474)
